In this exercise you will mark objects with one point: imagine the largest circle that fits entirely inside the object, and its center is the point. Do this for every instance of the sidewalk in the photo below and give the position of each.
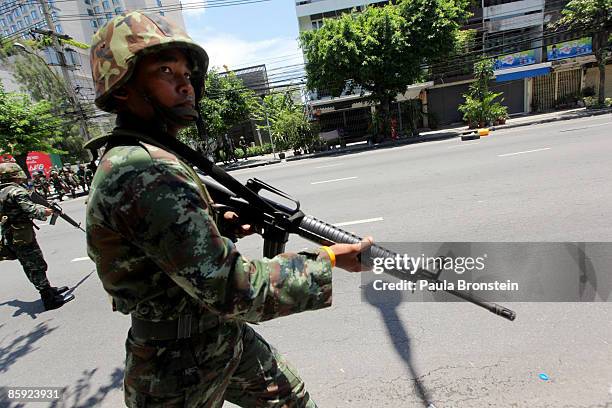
(445, 133)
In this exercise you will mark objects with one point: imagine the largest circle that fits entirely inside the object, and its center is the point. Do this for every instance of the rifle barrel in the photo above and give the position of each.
(326, 234)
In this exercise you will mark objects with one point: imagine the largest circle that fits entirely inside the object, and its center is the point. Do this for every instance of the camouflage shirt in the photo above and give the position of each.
(15, 203)
(159, 254)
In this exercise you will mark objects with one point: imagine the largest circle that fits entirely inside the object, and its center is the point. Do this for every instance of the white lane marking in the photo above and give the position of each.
(342, 224)
(586, 127)
(80, 259)
(526, 151)
(329, 165)
(464, 144)
(334, 180)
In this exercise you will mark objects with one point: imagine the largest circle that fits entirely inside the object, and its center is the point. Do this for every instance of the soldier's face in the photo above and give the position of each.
(164, 77)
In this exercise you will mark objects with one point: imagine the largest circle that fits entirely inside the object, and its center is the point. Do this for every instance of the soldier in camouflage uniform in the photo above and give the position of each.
(152, 233)
(16, 213)
(58, 185)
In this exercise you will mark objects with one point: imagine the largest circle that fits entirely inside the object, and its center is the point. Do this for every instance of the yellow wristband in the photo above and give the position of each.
(330, 254)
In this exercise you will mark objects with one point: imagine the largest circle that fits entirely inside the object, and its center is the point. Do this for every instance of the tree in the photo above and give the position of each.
(27, 126)
(593, 17)
(480, 106)
(37, 79)
(225, 103)
(381, 50)
(289, 125)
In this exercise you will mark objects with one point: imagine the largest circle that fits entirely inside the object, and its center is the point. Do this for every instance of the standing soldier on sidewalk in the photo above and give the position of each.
(16, 214)
(152, 232)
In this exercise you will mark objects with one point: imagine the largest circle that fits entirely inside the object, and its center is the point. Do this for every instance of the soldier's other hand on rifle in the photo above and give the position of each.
(346, 256)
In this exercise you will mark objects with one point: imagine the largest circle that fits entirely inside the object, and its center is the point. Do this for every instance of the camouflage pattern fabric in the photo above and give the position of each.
(117, 44)
(10, 170)
(18, 233)
(192, 376)
(159, 254)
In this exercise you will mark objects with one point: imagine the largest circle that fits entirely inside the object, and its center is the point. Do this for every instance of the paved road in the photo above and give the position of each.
(542, 183)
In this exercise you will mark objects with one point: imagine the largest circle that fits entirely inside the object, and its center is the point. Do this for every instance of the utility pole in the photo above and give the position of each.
(59, 49)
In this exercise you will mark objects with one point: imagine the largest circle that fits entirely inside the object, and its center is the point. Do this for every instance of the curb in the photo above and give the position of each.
(587, 114)
(442, 135)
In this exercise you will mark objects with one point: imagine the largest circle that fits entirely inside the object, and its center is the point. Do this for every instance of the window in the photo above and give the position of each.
(34, 15)
(19, 24)
(105, 5)
(27, 20)
(54, 16)
(88, 2)
(58, 28)
(13, 29)
(97, 9)
(94, 23)
(2, 22)
(316, 24)
(101, 21)
(109, 16)
(18, 12)
(159, 3)
(119, 10)
(116, 3)
(161, 13)
(90, 12)
(10, 18)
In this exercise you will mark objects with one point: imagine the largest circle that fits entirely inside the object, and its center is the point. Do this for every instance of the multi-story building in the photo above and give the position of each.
(349, 113)
(79, 19)
(530, 71)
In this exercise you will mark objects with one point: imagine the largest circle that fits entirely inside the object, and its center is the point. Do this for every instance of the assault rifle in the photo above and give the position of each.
(57, 210)
(276, 221)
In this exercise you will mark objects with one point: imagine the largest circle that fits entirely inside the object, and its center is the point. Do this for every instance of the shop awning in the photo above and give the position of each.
(528, 71)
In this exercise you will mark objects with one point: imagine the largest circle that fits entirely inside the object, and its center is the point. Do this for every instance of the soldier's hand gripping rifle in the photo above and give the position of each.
(57, 210)
(276, 221)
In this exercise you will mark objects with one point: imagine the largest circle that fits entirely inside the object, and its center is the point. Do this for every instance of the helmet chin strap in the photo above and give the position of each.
(180, 115)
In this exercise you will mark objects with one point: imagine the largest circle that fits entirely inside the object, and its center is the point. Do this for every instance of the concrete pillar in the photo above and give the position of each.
(528, 95)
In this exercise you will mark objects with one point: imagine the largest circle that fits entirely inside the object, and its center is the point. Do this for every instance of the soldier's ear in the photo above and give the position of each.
(121, 93)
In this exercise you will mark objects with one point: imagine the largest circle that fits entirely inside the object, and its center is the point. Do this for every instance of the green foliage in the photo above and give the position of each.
(27, 126)
(289, 126)
(226, 102)
(593, 17)
(382, 49)
(37, 80)
(480, 105)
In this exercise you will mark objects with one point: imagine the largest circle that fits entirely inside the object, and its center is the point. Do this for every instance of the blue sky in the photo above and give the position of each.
(248, 34)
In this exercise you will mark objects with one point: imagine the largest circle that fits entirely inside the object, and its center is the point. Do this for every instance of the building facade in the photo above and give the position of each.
(536, 68)
(79, 19)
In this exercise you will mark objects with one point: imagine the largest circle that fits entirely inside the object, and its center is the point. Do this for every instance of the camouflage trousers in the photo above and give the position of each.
(31, 259)
(199, 373)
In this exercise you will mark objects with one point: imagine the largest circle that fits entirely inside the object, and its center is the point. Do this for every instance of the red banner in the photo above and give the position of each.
(39, 161)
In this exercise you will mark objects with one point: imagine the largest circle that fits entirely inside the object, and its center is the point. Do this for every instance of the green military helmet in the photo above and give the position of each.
(10, 171)
(117, 46)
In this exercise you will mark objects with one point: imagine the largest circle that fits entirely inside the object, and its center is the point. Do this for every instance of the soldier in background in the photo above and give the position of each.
(152, 232)
(17, 212)
(71, 181)
(58, 185)
(41, 185)
(84, 177)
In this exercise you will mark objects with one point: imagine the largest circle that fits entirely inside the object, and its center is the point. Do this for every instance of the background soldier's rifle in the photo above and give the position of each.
(276, 221)
(57, 210)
